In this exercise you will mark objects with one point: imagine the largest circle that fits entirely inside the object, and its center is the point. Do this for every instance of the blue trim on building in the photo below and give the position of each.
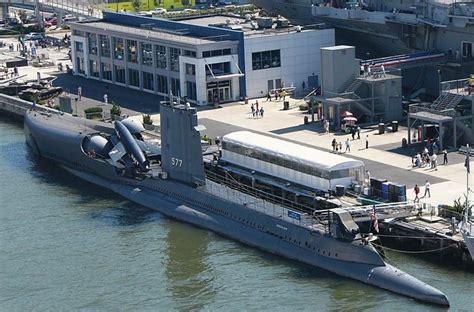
(201, 31)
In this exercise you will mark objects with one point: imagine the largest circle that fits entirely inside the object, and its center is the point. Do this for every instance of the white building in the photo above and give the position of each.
(210, 60)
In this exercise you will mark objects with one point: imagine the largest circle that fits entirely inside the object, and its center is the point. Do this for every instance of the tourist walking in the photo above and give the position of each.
(269, 96)
(416, 189)
(261, 111)
(445, 157)
(353, 133)
(348, 146)
(427, 189)
(333, 143)
(79, 93)
(358, 133)
(367, 141)
(326, 126)
(252, 107)
(256, 106)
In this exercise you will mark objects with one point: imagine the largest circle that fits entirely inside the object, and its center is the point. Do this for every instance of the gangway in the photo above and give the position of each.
(405, 60)
(384, 211)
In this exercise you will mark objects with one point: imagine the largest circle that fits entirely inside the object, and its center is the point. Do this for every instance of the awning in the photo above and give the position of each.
(224, 77)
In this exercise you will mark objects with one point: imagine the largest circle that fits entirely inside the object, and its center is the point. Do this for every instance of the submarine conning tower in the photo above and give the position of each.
(181, 143)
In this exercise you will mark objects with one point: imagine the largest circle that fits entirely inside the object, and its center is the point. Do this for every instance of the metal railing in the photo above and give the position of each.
(417, 108)
(457, 86)
(228, 188)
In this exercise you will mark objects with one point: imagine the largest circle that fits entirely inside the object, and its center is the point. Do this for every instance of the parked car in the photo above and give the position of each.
(51, 22)
(34, 36)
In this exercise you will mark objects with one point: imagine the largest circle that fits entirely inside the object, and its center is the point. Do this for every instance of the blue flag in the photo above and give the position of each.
(467, 163)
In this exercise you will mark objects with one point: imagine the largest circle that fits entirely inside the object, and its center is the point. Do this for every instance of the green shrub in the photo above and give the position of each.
(147, 119)
(93, 110)
(116, 111)
(304, 107)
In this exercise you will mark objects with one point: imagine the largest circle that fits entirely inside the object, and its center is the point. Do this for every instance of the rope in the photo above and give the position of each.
(415, 252)
(401, 236)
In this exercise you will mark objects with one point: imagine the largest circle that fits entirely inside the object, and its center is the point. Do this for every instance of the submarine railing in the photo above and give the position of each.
(269, 204)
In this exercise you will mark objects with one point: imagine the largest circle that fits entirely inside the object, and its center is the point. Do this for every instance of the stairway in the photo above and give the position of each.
(353, 86)
(446, 101)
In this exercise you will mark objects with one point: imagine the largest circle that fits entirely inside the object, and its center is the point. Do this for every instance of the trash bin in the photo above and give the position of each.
(340, 190)
(306, 120)
(246, 99)
(394, 126)
(286, 105)
(404, 142)
(381, 128)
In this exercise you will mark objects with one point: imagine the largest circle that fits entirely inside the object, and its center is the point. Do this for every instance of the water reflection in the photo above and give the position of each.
(190, 277)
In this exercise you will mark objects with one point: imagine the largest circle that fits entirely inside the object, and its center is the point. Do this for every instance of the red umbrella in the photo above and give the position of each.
(346, 114)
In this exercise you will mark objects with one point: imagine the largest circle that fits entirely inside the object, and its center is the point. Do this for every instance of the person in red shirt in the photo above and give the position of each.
(417, 192)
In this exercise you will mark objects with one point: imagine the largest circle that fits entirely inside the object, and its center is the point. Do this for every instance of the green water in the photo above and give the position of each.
(68, 245)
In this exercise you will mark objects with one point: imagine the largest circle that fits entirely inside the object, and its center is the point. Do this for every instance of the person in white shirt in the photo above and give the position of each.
(427, 189)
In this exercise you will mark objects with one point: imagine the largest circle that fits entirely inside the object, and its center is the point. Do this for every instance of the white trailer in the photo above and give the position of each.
(293, 162)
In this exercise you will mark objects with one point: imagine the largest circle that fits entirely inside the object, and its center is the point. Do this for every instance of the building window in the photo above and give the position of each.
(106, 69)
(148, 81)
(133, 78)
(216, 53)
(218, 69)
(132, 51)
(174, 59)
(190, 69)
(104, 46)
(266, 59)
(119, 74)
(79, 46)
(191, 90)
(160, 56)
(147, 54)
(94, 68)
(162, 84)
(118, 48)
(189, 53)
(175, 86)
(80, 65)
(92, 39)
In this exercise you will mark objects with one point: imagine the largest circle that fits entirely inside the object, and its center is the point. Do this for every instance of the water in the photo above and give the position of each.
(66, 244)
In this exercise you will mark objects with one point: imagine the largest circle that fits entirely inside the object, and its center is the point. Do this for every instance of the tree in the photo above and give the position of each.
(136, 5)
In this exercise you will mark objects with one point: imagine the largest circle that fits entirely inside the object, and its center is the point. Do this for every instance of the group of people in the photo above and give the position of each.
(426, 158)
(279, 95)
(256, 111)
(337, 146)
(416, 189)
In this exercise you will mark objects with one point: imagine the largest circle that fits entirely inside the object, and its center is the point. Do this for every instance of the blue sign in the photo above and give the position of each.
(294, 215)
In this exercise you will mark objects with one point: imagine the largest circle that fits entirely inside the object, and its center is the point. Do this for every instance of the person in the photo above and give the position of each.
(326, 126)
(256, 106)
(269, 96)
(348, 146)
(333, 143)
(445, 157)
(339, 147)
(434, 162)
(261, 111)
(15, 70)
(367, 173)
(367, 141)
(79, 93)
(358, 133)
(427, 189)
(276, 95)
(106, 99)
(353, 133)
(416, 189)
(252, 107)
(303, 86)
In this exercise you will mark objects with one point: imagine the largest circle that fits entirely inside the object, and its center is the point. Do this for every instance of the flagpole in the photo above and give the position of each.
(468, 170)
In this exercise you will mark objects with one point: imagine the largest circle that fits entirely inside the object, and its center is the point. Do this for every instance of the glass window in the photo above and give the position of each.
(147, 54)
(266, 59)
(104, 46)
(174, 59)
(175, 86)
(218, 69)
(118, 48)
(160, 56)
(106, 69)
(94, 68)
(79, 46)
(80, 65)
(132, 51)
(191, 90)
(133, 78)
(190, 69)
(206, 54)
(147, 81)
(226, 52)
(189, 53)
(92, 39)
(119, 74)
(162, 84)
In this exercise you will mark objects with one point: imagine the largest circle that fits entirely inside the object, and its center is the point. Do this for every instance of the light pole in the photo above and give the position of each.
(439, 81)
